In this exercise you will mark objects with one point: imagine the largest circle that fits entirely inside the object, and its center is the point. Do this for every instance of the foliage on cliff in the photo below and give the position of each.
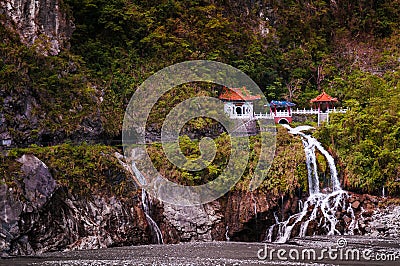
(367, 137)
(44, 99)
(287, 173)
(292, 49)
(83, 169)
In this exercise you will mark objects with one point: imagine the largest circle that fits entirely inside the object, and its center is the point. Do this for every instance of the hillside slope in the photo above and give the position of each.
(292, 49)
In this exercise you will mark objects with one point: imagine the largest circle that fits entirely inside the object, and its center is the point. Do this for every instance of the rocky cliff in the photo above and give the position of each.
(237, 216)
(43, 24)
(58, 200)
(39, 214)
(43, 99)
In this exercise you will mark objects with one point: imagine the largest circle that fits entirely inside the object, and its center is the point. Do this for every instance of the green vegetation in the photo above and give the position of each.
(293, 50)
(191, 150)
(82, 169)
(367, 138)
(288, 170)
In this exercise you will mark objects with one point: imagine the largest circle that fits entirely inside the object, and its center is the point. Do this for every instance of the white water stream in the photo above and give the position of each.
(319, 210)
(146, 204)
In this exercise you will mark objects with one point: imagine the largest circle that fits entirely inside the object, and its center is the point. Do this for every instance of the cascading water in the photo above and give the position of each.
(146, 204)
(321, 213)
(227, 233)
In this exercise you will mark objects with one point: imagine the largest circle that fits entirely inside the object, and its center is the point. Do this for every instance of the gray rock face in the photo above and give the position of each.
(385, 222)
(36, 187)
(41, 23)
(237, 216)
(40, 216)
(194, 223)
(70, 223)
(38, 183)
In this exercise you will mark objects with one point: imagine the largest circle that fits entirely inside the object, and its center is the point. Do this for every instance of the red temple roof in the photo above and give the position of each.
(238, 94)
(324, 97)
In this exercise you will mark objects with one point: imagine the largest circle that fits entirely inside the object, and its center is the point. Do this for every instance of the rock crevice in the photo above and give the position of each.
(42, 23)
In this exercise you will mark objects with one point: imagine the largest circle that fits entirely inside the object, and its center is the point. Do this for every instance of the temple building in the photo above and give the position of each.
(325, 106)
(239, 105)
(238, 102)
(282, 111)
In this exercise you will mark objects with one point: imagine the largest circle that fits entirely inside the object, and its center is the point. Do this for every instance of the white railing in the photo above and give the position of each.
(340, 110)
(315, 111)
(272, 115)
(234, 116)
(264, 116)
(305, 111)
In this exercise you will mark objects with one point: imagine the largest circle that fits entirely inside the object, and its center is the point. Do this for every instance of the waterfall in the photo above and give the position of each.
(300, 205)
(254, 205)
(226, 233)
(320, 213)
(146, 204)
(310, 144)
(276, 218)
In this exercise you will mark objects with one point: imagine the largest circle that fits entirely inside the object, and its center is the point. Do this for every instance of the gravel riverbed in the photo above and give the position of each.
(338, 251)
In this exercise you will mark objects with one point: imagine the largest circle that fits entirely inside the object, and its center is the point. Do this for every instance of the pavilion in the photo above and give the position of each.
(325, 104)
(239, 105)
(238, 102)
(282, 111)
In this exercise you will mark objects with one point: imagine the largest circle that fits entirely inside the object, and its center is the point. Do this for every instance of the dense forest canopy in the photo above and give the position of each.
(292, 49)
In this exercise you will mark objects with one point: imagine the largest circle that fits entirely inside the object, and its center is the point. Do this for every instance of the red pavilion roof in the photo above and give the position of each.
(238, 94)
(324, 97)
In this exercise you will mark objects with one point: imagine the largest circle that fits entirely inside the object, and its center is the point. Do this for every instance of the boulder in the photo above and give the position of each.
(40, 216)
(355, 204)
(347, 219)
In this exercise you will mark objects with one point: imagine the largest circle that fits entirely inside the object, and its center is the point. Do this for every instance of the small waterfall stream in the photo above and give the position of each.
(321, 213)
(146, 204)
(227, 238)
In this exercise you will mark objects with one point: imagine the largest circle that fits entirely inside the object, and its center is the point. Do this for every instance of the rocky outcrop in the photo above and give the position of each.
(45, 100)
(237, 216)
(40, 23)
(247, 215)
(38, 215)
(192, 223)
(36, 188)
(384, 222)
(377, 217)
(23, 121)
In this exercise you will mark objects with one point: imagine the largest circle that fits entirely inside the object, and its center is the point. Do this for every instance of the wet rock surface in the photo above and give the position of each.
(237, 216)
(375, 216)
